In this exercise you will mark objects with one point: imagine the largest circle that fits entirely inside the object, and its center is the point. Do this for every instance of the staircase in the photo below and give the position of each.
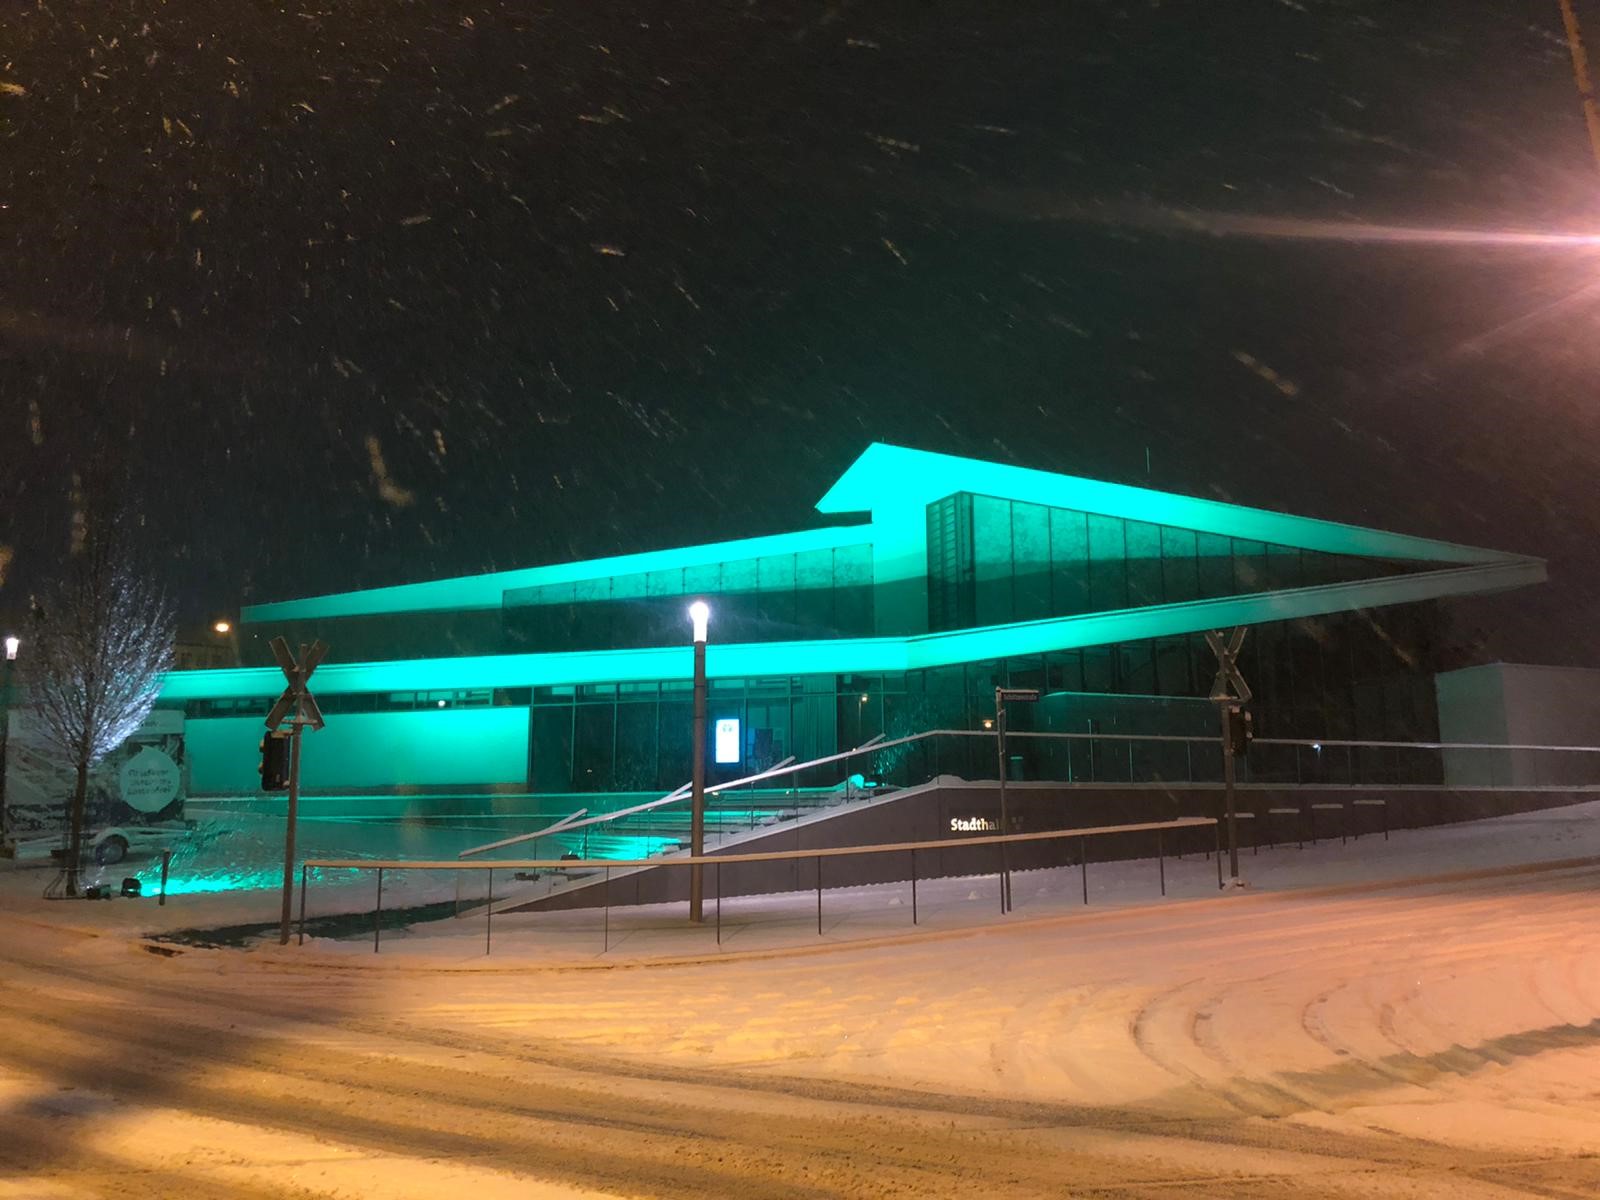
(730, 821)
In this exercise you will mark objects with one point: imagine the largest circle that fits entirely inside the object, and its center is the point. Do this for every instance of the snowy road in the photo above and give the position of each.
(1419, 1040)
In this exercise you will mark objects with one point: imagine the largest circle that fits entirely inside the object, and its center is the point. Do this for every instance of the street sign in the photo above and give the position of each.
(1229, 684)
(296, 698)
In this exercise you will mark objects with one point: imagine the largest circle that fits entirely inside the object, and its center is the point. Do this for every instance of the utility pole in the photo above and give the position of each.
(1580, 73)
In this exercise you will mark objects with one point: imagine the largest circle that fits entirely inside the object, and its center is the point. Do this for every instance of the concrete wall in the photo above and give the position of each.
(1518, 703)
(925, 814)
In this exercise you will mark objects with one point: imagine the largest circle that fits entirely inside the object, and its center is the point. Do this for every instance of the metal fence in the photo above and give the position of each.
(774, 795)
(717, 861)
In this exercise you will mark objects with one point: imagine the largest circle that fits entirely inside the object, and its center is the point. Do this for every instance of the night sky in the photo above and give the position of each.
(370, 292)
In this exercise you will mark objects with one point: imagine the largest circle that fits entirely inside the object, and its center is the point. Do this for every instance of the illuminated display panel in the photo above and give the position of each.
(727, 743)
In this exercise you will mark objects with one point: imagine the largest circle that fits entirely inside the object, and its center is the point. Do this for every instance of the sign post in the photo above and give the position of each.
(1002, 695)
(1230, 692)
(299, 701)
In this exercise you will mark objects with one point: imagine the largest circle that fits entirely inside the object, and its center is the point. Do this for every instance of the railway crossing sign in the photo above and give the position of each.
(298, 700)
(296, 697)
(1229, 685)
(1231, 693)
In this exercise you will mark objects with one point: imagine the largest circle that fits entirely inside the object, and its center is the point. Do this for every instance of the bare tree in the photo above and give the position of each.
(104, 637)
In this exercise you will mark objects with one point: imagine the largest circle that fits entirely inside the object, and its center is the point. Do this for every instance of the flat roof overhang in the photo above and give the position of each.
(839, 656)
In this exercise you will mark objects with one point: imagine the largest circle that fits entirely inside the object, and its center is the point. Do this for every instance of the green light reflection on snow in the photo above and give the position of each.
(201, 883)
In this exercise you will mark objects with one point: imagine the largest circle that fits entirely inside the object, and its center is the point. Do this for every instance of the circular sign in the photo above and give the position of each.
(148, 781)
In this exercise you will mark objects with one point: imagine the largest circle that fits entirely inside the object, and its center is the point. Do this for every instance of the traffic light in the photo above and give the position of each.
(1240, 731)
(274, 762)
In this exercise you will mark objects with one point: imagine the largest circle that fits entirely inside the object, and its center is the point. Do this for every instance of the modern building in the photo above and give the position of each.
(936, 579)
(1519, 704)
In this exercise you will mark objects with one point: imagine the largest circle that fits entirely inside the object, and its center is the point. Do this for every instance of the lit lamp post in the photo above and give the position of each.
(1001, 696)
(700, 614)
(13, 644)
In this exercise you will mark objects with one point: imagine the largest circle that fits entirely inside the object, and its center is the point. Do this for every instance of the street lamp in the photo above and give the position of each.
(221, 626)
(700, 616)
(1003, 695)
(13, 644)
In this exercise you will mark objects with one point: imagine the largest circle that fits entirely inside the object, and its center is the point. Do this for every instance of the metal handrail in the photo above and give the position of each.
(1159, 828)
(533, 864)
(565, 822)
(880, 743)
(1261, 741)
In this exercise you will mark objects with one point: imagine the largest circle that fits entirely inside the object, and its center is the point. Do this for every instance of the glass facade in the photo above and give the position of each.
(1351, 676)
(820, 593)
(826, 592)
(993, 562)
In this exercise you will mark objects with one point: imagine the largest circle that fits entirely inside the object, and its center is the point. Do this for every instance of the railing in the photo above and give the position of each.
(659, 826)
(718, 861)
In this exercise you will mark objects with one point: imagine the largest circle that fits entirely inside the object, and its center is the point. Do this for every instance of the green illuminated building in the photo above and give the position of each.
(941, 578)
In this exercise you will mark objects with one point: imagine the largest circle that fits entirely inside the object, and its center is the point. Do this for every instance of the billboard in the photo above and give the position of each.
(141, 782)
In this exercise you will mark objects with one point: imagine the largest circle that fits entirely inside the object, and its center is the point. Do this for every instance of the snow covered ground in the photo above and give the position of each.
(1357, 1023)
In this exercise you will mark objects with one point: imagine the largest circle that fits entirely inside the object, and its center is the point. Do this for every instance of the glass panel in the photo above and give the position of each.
(1249, 567)
(1144, 563)
(739, 576)
(775, 576)
(1172, 668)
(1069, 562)
(1180, 577)
(1108, 575)
(1064, 671)
(813, 576)
(674, 741)
(1215, 564)
(594, 727)
(1137, 668)
(636, 768)
(852, 566)
(1097, 670)
(552, 749)
(555, 593)
(767, 732)
(994, 565)
(1030, 547)
(702, 580)
(627, 587)
(664, 583)
(1283, 567)
(852, 589)
(949, 528)
(775, 572)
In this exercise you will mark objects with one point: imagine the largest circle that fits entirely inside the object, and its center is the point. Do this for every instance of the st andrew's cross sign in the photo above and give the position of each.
(296, 698)
(1229, 684)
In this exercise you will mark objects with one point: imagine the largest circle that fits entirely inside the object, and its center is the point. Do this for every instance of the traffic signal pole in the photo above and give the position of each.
(297, 700)
(296, 729)
(1230, 693)
(1225, 711)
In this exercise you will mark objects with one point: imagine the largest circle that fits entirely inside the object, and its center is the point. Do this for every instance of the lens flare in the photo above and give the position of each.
(1219, 224)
